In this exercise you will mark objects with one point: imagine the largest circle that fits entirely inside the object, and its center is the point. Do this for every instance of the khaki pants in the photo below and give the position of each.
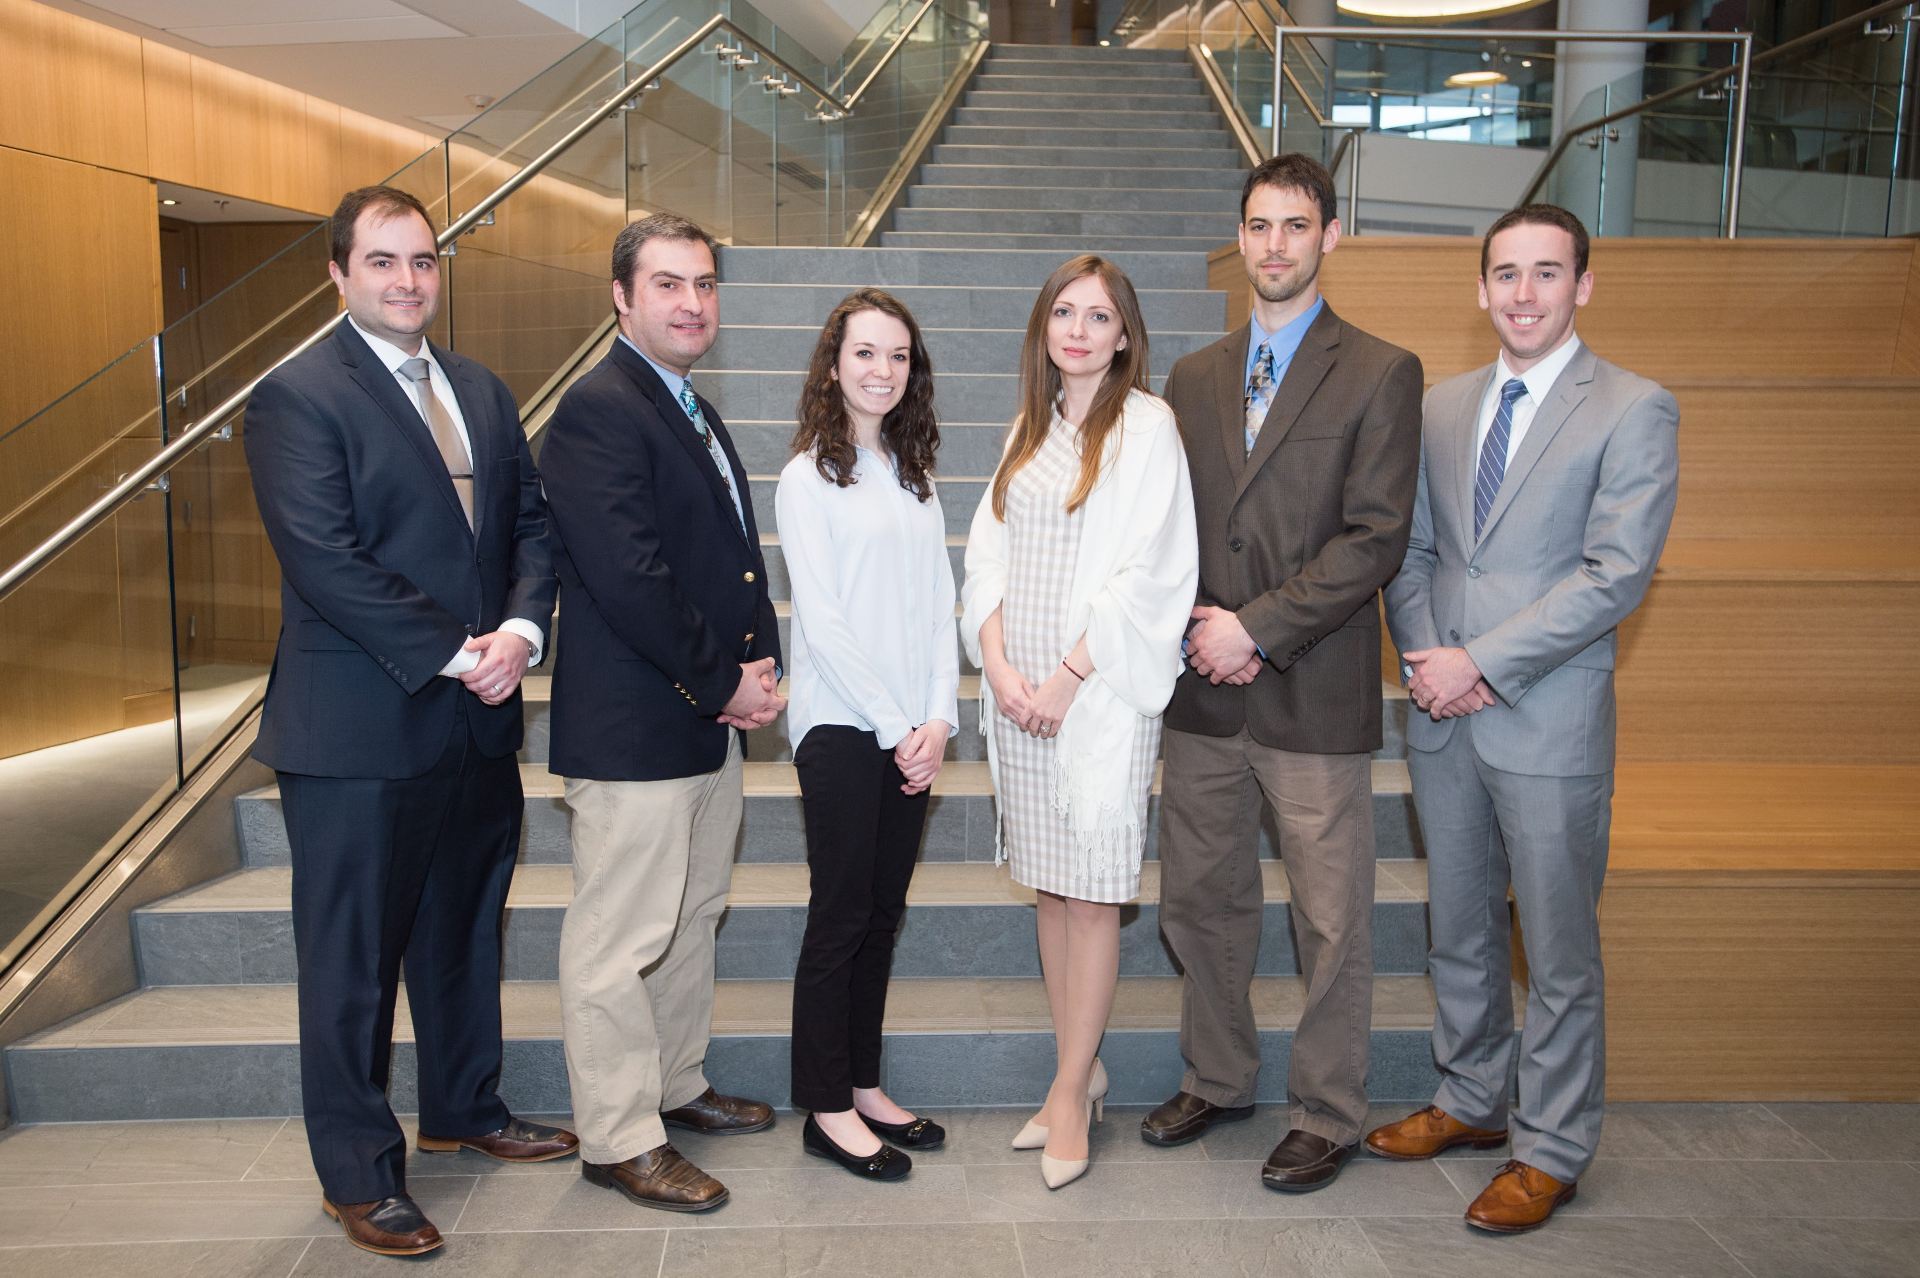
(651, 865)
(1210, 913)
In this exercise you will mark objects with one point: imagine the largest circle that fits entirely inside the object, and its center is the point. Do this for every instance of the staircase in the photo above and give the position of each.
(1054, 151)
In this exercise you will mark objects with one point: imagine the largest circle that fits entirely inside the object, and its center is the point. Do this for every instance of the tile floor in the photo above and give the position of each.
(1740, 1190)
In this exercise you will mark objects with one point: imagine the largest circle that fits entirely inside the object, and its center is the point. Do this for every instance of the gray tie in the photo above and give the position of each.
(446, 436)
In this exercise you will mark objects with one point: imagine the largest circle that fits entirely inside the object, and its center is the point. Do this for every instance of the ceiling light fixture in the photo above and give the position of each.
(1474, 79)
(1433, 10)
(168, 200)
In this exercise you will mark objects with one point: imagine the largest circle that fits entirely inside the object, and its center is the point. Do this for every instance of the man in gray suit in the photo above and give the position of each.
(1547, 483)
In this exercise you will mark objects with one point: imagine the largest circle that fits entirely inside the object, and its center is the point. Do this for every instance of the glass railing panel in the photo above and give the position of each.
(802, 172)
(679, 135)
(1446, 91)
(752, 140)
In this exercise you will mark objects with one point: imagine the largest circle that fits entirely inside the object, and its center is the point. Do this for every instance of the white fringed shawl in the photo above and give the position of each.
(1134, 582)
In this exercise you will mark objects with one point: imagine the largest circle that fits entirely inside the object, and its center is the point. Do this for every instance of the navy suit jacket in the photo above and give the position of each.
(663, 595)
(381, 579)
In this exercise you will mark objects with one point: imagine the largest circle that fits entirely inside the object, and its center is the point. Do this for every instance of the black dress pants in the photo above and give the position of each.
(863, 836)
(389, 873)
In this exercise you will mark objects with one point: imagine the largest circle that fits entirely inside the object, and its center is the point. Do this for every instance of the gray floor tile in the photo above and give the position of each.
(925, 1251)
(1738, 1131)
(500, 1255)
(979, 1137)
(1315, 1248)
(1566, 1248)
(286, 1157)
(193, 1210)
(240, 1258)
(1830, 1248)
(1683, 1187)
(133, 1153)
(801, 1196)
(1856, 1131)
(1211, 1190)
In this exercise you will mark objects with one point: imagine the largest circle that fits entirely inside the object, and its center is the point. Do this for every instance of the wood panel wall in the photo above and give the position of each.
(1906, 357)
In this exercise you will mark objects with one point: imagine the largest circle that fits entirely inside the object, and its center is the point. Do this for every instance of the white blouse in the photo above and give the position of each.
(874, 644)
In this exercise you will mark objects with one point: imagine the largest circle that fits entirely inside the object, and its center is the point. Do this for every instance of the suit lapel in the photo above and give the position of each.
(374, 378)
(1230, 400)
(1569, 389)
(473, 410)
(674, 418)
(1304, 375)
(1466, 465)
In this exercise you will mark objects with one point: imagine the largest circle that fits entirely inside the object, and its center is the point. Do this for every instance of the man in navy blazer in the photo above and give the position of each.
(416, 584)
(670, 652)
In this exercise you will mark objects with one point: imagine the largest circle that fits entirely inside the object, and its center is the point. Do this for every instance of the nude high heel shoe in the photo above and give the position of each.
(1034, 1136)
(1064, 1171)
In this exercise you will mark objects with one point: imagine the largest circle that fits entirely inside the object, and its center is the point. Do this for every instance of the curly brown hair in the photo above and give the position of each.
(910, 430)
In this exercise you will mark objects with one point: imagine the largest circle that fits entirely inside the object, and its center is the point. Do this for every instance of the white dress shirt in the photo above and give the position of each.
(393, 357)
(874, 643)
(1539, 379)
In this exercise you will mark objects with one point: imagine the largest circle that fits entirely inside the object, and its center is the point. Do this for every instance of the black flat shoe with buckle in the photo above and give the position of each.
(888, 1164)
(918, 1133)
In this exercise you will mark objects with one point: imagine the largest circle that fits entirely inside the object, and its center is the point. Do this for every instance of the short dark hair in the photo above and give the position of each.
(1294, 171)
(1539, 215)
(655, 226)
(387, 202)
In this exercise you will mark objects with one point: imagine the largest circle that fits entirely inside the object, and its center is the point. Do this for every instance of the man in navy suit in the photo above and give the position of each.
(396, 487)
(671, 651)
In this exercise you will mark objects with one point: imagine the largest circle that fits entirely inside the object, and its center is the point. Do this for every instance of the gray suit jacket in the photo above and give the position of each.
(1567, 552)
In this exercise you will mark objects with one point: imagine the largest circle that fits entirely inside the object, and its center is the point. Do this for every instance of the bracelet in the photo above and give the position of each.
(1070, 670)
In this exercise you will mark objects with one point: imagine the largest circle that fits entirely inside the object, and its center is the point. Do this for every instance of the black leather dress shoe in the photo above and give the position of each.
(888, 1164)
(718, 1115)
(518, 1142)
(1303, 1162)
(1186, 1117)
(387, 1227)
(919, 1133)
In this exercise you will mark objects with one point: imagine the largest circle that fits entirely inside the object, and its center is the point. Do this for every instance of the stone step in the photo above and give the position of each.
(966, 448)
(1096, 223)
(1221, 202)
(753, 395)
(774, 347)
(779, 585)
(959, 306)
(1104, 75)
(1154, 97)
(1114, 160)
(962, 920)
(960, 821)
(1087, 53)
(884, 268)
(959, 496)
(985, 171)
(231, 1051)
(1097, 139)
(1062, 244)
(1194, 119)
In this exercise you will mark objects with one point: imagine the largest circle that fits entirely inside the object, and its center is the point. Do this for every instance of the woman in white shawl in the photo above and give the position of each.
(1081, 570)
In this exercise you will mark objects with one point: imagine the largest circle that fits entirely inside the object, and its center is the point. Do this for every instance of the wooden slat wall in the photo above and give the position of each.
(1906, 355)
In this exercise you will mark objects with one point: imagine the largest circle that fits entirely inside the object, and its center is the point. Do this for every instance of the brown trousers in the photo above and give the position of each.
(1210, 914)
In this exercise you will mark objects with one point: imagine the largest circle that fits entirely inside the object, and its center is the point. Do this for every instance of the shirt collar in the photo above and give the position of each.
(673, 380)
(1541, 377)
(1286, 340)
(392, 356)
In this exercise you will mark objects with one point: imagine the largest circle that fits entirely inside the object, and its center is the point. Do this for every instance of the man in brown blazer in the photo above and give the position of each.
(1303, 435)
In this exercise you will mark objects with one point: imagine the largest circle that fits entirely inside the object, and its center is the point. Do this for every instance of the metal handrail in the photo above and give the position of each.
(1744, 70)
(1279, 69)
(136, 481)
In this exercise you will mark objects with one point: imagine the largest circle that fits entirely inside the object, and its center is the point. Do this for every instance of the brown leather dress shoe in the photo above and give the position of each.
(718, 1115)
(1186, 1117)
(518, 1142)
(659, 1178)
(1303, 1162)
(1429, 1132)
(1520, 1198)
(389, 1226)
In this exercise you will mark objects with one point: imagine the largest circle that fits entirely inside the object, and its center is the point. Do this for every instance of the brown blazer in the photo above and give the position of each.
(1299, 537)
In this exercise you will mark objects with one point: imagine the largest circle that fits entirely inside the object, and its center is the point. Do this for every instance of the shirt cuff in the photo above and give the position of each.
(464, 660)
(531, 633)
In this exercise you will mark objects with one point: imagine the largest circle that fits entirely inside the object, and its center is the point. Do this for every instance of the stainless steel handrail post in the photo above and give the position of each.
(1738, 166)
(1279, 78)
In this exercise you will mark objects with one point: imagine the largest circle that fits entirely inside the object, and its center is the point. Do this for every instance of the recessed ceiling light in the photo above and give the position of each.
(1526, 62)
(1433, 10)
(1474, 79)
(1103, 44)
(169, 201)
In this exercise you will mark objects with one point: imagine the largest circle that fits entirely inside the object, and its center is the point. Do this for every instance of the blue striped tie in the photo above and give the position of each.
(1493, 455)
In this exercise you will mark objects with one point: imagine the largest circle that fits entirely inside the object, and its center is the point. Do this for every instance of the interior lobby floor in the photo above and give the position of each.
(1733, 1190)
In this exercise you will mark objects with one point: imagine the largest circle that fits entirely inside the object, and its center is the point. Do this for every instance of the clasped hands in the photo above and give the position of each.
(1037, 712)
(1446, 683)
(757, 701)
(503, 663)
(919, 754)
(1219, 647)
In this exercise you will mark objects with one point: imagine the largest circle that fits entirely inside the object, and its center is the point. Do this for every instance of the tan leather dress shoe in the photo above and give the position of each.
(1429, 1132)
(660, 1178)
(1520, 1198)
(518, 1142)
(388, 1226)
(718, 1115)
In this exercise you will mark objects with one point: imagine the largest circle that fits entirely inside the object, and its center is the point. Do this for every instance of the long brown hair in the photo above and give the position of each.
(909, 429)
(1040, 381)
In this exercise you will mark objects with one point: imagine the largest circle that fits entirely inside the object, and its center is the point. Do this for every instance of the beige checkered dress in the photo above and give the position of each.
(1042, 543)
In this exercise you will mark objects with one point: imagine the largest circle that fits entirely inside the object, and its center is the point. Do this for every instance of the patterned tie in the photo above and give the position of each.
(1259, 393)
(446, 436)
(1493, 455)
(700, 428)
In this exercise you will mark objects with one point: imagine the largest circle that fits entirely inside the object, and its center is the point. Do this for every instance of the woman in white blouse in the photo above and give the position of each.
(1081, 571)
(874, 678)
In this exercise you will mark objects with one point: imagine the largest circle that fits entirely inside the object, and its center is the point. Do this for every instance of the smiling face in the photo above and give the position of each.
(876, 354)
(1531, 292)
(1282, 241)
(392, 284)
(670, 309)
(1084, 331)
